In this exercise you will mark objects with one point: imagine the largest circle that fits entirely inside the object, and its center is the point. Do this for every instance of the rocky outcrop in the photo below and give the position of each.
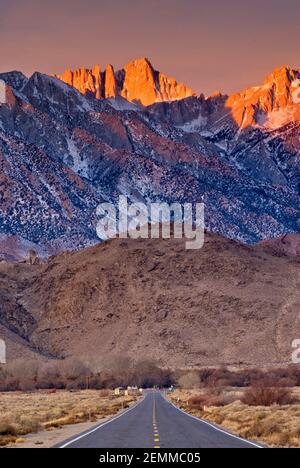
(84, 80)
(287, 245)
(110, 83)
(138, 82)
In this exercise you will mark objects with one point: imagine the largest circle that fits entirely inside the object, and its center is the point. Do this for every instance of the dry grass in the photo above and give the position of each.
(24, 413)
(277, 426)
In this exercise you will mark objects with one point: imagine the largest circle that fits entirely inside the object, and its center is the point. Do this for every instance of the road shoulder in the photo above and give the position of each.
(55, 437)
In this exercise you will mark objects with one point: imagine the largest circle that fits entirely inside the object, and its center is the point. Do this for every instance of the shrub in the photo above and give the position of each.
(7, 429)
(199, 401)
(29, 425)
(266, 396)
(219, 400)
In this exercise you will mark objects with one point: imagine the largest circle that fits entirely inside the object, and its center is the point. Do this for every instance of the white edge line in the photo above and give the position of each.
(213, 426)
(103, 424)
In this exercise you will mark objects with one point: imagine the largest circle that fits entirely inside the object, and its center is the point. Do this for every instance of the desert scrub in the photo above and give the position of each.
(24, 413)
(275, 425)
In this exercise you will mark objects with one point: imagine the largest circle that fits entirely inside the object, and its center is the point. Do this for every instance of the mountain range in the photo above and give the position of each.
(68, 143)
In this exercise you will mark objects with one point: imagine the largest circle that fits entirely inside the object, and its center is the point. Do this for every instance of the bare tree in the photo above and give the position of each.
(189, 380)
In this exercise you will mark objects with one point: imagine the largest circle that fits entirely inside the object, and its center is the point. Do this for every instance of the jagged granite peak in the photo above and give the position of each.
(271, 101)
(110, 83)
(85, 80)
(282, 75)
(138, 82)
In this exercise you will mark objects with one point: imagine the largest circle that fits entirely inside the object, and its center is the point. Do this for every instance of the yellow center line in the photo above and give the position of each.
(155, 427)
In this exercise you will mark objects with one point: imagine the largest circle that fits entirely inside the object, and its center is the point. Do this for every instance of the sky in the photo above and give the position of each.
(211, 45)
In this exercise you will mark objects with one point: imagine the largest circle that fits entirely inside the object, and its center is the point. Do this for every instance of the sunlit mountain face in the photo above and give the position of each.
(137, 82)
(70, 142)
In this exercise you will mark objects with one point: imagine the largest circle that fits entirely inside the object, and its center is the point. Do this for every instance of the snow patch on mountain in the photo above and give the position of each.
(79, 163)
(195, 125)
(121, 104)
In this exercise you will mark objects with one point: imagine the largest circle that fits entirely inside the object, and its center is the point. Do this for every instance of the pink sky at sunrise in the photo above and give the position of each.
(208, 45)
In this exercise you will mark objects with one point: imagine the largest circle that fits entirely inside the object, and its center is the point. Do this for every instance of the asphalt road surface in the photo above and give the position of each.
(156, 423)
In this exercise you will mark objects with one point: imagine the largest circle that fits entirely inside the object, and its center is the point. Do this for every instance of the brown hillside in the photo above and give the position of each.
(224, 304)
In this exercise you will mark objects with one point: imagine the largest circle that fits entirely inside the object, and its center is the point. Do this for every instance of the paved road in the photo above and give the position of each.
(154, 422)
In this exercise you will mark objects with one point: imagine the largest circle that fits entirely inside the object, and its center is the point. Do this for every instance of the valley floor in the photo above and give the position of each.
(274, 426)
(44, 419)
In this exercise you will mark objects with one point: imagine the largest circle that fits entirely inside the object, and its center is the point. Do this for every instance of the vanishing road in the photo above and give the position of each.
(156, 423)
